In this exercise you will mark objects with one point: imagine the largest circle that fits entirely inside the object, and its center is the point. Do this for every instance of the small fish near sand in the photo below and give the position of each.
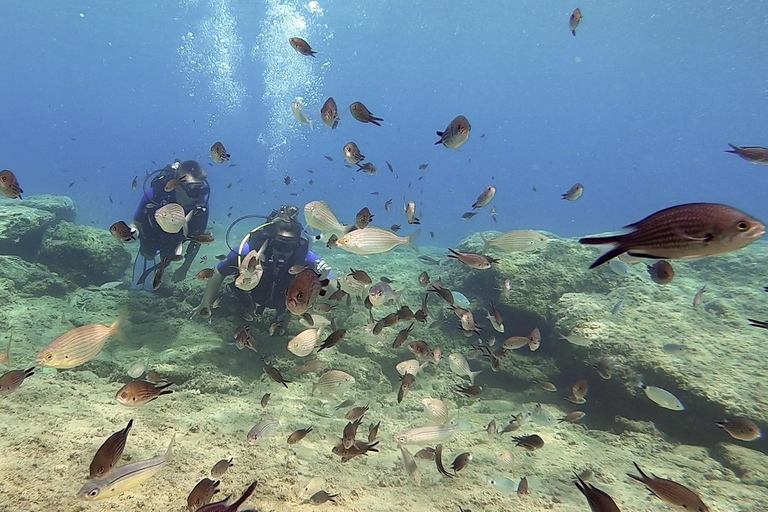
(11, 381)
(109, 453)
(670, 492)
(140, 392)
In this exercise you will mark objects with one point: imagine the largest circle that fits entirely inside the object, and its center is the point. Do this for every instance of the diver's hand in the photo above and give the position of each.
(180, 274)
(322, 266)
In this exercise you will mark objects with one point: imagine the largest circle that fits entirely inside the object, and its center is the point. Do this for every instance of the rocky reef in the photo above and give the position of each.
(54, 254)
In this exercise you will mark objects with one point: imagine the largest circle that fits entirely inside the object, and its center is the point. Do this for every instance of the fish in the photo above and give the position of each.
(350, 432)
(534, 339)
(219, 154)
(572, 417)
(333, 339)
(406, 382)
(387, 205)
(363, 218)
(123, 232)
(319, 216)
(411, 366)
(670, 492)
(12, 380)
(423, 279)
(299, 434)
(321, 497)
(301, 46)
(517, 241)
(172, 219)
(468, 215)
(333, 382)
(427, 434)
(428, 260)
(579, 341)
(522, 487)
(494, 316)
(444, 293)
(373, 240)
(459, 365)
(409, 465)
(439, 461)
(389, 166)
(423, 167)
(373, 431)
(352, 153)
(9, 185)
(598, 500)
(693, 230)
(402, 336)
(221, 506)
(755, 155)
(574, 20)
(473, 260)
(367, 168)
(574, 192)
(361, 113)
(109, 453)
(742, 429)
(355, 413)
(460, 462)
(485, 197)
(420, 348)
(171, 185)
(617, 307)
(360, 276)
(77, 346)
(410, 213)
(546, 386)
(139, 392)
(135, 183)
(382, 293)
(201, 238)
(265, 399)
(357, 448)
(202, 493)
(5, 357)
(261, 430)
(304, 343)
(305, 288)
(386, 280)
(125, 477)
(160, 272)
(503, 484)
(662, 398)
(661, 272)
(699, 296)
(300, 115)
(221, 467)
(332, 241)
(330, 113)
(604, 367)
(287, 180)
(426, 453)
(456, 134)
(275, 374)
(530, 443)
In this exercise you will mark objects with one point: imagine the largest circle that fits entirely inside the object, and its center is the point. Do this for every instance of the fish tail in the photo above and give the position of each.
(375, 120)
(247, 494)
(164, 391)
(185, 227)
(312, 123)
(412, 240)
(453, 254)
(169, 451)
(117, 327)
(642, 478)
(127, 429)
(573, 32)
(472, 376)
(734, 149)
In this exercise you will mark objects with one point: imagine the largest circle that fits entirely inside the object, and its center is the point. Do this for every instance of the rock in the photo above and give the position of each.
(84, 255)
(22, 228)
(749, 465)
(63, 207)
(31, 278)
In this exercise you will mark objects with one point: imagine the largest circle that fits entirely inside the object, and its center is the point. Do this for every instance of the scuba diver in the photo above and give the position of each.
(272, 248)
(184, 183)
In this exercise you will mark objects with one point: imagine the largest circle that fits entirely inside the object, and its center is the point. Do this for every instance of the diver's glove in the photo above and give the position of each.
(181, 273)
(322, 266)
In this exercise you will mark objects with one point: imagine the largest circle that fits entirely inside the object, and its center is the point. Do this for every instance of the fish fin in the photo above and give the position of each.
(602, 240)
(644, 255)
(169, 451)
(247, 494)
(117, 329)
(127, 429)
(185, 227)
(311, 123)
(573, 32)
(642, 478)
(472, 376)
(412, 240)
(616, 251)
(375, 120)
(308, 318)
(734, 149)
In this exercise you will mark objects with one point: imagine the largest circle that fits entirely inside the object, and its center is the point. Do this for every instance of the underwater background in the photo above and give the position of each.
(639, 107)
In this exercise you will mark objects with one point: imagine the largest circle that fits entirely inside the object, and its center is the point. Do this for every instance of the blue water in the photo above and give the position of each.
(638, 106)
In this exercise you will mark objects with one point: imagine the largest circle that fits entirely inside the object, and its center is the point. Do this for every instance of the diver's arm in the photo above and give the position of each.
(214, 283)
(197, 226)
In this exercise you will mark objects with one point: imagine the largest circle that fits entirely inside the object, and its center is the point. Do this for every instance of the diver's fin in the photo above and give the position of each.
(143, 268)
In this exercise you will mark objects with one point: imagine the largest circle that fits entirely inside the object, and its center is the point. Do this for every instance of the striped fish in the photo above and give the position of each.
(304, 343)
(261, 430)
(522, 240)
(334, 382)
(373, 240)
(109, 453)
(319, 216)
(428, 434)
(77, 346)
(436, 409)
(686, 231)
(125, 477)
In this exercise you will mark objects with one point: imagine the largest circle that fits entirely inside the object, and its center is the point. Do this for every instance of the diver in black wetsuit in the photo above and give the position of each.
(192, 194)
(286, 246)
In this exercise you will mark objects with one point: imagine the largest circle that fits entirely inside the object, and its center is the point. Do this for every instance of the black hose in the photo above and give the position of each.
(229, 229)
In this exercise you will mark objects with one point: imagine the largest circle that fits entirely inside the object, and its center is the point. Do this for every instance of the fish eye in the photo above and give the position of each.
(299, 295)
(49, 356)
(93, 493)
(742, 226)
(123, 395)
